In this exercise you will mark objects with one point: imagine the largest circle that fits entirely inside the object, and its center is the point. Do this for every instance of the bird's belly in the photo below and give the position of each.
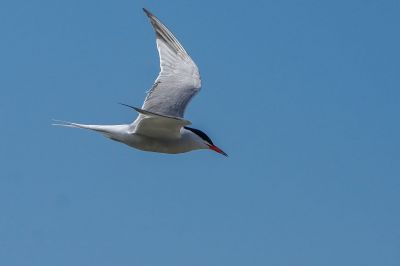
(144, 143)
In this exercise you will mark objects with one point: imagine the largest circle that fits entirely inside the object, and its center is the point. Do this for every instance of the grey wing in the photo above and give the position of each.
(178, 80)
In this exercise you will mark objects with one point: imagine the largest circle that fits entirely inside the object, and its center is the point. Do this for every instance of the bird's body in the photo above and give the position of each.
(160, 126)
(188, 141)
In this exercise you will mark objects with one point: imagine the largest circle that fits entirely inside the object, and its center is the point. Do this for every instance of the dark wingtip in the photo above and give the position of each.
(130, 106)
(148, 13)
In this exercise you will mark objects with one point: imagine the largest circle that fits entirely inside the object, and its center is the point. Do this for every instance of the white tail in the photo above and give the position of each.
(99, 128)
(111, 131)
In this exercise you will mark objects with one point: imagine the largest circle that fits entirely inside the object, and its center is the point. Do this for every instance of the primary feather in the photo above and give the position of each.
(179, 78)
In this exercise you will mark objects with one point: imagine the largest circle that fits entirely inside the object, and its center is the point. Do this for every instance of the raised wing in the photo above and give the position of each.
(178, 80)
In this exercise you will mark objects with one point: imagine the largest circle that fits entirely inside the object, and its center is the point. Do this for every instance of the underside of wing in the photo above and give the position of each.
(158, 126)
(178, 80)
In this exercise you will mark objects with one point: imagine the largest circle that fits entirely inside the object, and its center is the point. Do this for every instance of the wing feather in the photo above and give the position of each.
(179, 79)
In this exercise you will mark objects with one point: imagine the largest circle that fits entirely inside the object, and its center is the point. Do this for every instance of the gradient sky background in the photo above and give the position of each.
(303, 95)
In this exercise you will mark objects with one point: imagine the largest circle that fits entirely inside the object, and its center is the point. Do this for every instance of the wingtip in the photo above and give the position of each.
(130, 106)
(148, 13)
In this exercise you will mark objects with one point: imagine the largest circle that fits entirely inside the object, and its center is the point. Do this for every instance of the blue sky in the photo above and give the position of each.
(303, 96)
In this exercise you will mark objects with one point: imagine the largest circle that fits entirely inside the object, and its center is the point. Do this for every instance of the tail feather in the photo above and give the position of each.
(99, 128)
(115, 132)
(62, 123)
(108, 130)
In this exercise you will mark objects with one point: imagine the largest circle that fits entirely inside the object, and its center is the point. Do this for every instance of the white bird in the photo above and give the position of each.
(160, 126)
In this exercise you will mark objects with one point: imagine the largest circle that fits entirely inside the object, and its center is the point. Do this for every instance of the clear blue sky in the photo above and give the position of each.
(303, 95)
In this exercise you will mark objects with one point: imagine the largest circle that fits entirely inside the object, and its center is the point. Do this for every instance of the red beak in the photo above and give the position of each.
(216, 149)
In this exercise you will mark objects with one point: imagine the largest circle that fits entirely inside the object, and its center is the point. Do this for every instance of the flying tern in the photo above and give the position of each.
(160, 126)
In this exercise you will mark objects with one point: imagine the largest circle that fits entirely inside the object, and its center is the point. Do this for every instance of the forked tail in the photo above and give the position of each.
(98, 128)
(115, 132)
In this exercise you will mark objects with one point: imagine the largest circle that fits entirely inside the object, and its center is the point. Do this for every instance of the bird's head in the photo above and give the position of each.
(205, 140)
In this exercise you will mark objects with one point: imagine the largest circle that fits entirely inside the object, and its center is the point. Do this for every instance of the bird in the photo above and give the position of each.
(160, 125)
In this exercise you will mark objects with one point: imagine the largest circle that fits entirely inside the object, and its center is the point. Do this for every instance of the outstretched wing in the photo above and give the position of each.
(178, 80)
